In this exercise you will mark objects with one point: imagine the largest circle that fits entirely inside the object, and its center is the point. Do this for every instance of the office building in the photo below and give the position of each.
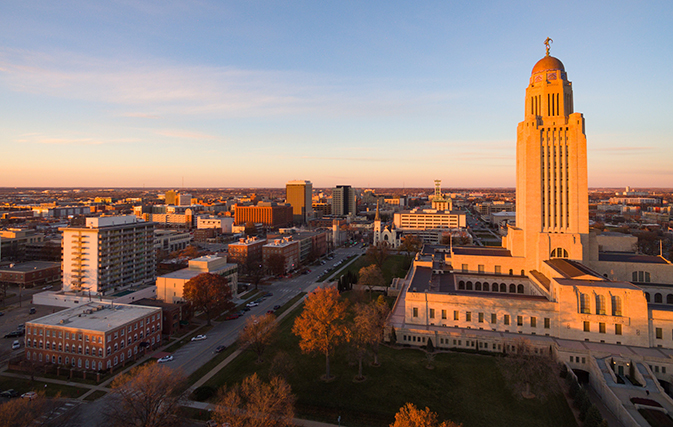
(299, 194)
(343, 200)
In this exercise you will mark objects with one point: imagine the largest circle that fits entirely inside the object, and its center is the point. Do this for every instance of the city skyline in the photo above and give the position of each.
(374, 95)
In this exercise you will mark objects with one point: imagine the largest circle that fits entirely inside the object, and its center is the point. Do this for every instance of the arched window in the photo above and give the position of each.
(600, 304)
(511, 272)
(461, 285)
(669, 299)
(519, 289)
(503, 287)
(616, 306)
(477, 286)
(67, 360)
(468, 286)
(585, 304)
(559, 253)
(100, 365)
(28, 355)
(485, 286)
(658, 298)
(647, 296)
(512, 288)
(640, 276)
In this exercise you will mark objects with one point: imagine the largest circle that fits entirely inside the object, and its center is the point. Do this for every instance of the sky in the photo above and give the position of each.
(369, 94)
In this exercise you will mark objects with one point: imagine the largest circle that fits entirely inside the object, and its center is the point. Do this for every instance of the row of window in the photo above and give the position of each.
(600, 307)
(496, 269)
(481, 317)
(659, 299)
(602, 328)
(487, 287)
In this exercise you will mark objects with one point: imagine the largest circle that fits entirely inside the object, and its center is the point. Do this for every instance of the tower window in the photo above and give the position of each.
(559, 253)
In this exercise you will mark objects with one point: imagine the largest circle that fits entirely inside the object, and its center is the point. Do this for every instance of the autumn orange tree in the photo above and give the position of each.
(258, 333)
(40, 411)
(322, 324)
(410, 416)
(148, 395)
(254, 403)
(363, 332)
(209, 293)
(381, 313)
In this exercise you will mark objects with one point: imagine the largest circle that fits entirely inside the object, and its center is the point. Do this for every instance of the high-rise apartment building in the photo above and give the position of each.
(343, 200)
(299, 194)
(109, 253)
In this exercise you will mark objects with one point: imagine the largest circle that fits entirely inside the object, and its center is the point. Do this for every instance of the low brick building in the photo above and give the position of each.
(32, 273)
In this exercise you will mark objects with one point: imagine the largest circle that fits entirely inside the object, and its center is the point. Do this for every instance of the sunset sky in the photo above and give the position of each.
(368, 94)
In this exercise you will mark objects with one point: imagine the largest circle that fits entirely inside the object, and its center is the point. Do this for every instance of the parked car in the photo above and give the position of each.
(252, 304)
(16, 344)
(30, 395)
(220, 348)
(13, 334)
(232, 316)
(32, 310)
(276, 307)
(165, 359)
(9, 393)
(268, 294)
(199, 338)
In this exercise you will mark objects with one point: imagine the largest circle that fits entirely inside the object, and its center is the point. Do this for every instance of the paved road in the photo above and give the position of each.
(193, 355)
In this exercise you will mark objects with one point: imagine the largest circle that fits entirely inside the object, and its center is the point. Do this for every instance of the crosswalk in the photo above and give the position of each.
(60, 409)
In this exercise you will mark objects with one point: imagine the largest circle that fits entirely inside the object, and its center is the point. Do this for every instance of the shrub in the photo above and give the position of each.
(574, 388)
(593, 417)
(430, 347)
(203, 393)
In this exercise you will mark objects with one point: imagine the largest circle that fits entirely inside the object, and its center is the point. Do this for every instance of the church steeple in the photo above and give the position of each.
(377, 217)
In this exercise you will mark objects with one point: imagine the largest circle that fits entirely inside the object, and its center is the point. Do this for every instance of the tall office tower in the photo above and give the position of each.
(299, 194)
(171, 197)
(343, 200)
(108, 254)
(552, 213)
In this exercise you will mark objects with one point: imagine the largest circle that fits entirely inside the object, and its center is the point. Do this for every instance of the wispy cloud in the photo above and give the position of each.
(622, 149)
(168, 89)
(38, 138)
(184, 134)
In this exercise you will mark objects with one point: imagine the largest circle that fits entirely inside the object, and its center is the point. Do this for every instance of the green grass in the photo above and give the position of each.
(24, 385)
(97, 394)
(465, 388)
(394, 266)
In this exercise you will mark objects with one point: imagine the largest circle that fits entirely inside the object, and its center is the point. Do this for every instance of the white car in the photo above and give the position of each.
(16, 344)
(199, 338)
(252, 304)
(165, 359)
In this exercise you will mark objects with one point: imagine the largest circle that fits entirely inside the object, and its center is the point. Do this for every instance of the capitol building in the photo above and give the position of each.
(553, 280)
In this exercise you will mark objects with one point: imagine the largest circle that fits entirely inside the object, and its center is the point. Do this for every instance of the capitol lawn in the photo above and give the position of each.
(464, 388)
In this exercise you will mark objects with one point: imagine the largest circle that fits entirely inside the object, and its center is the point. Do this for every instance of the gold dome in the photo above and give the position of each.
(548, 63)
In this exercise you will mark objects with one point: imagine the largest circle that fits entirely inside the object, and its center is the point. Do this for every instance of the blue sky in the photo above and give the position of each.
(370, 94)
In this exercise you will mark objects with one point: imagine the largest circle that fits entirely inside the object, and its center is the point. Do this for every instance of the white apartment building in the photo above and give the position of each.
(110, 253)
(222, 223)
(171, 240)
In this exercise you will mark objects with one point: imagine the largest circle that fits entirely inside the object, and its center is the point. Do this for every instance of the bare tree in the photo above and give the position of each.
(529, 373)
(41, 411)
(147, 396)
(378, 254)
(371, 276)
(258, 333)
(254, 403)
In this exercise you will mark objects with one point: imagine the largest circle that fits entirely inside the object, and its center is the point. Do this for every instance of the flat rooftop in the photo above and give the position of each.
(95, 316)
(25, 267)
(188, 273)
(631, 258)
(481, 251)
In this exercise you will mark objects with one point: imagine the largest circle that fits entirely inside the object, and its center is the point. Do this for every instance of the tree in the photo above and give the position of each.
(276, 264)
(148, 395)
(209, 293)
(529, 374)
(254, 270)
(258, 333)
(381, 310)
(322, 324)
(410, 416)
(254, 403)
(410, 244)
(40, 411)
(370, 277)
(364, 332)
(377, 254)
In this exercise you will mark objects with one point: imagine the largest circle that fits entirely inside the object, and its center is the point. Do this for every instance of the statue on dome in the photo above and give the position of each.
(546, 44)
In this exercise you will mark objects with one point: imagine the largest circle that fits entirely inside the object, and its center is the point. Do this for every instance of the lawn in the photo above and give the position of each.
(464, 388)
(51, 389)
(394, 266)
